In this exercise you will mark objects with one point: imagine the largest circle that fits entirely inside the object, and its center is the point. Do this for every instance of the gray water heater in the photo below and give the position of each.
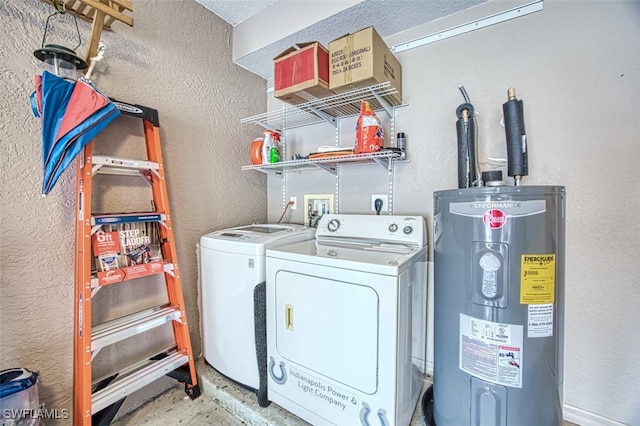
(499, 306)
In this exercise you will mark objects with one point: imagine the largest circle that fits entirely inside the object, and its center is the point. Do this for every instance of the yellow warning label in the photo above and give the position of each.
(537, 279)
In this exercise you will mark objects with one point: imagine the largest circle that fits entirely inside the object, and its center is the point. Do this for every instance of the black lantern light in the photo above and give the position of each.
(57, 59)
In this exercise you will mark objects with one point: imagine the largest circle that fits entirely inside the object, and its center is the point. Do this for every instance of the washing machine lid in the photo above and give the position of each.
(254, 239)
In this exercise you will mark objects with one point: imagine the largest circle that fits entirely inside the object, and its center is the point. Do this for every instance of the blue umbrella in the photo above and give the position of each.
(72, 113)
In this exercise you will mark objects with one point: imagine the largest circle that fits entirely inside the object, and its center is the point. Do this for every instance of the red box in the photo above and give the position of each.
(301, 73)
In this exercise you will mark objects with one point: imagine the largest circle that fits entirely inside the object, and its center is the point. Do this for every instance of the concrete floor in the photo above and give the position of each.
(222, 403)
(175, 408)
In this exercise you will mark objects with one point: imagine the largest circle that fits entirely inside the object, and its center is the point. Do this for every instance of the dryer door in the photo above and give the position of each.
(328, 326)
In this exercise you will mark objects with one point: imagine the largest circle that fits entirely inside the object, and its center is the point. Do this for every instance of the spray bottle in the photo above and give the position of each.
(270, 149)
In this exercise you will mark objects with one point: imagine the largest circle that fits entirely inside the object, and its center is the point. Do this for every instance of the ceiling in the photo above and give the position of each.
(387, 16)
(235, 12)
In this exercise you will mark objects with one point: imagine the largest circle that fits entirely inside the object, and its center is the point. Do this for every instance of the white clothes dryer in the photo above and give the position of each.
(232, 264)
(346, 317)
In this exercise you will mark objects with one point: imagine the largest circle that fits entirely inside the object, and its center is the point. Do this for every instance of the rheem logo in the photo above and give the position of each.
(494, 218)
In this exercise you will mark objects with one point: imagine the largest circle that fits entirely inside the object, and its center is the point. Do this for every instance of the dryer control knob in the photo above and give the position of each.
(333, 225)
(407, 230)
(393, 227)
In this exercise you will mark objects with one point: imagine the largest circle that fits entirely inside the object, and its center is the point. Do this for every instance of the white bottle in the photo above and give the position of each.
(266, 146)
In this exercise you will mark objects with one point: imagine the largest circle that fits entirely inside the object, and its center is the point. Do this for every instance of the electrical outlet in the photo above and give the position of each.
(293, 200)
(383, 197)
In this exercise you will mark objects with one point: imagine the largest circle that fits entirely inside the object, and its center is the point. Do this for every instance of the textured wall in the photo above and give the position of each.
(576, 71)
(177, 59)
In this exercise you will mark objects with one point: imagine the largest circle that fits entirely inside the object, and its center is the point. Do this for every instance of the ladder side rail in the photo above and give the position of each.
(82, 291)
(173, 281)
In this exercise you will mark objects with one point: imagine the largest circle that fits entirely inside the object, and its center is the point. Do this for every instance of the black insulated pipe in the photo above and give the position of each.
(466, 129)
(513, 111)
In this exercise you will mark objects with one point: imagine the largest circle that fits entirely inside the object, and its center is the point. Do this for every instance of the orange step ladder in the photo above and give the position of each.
(97, 401)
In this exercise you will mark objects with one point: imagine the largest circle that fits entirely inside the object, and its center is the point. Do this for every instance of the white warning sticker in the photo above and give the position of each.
(491, 351)
(540, 322)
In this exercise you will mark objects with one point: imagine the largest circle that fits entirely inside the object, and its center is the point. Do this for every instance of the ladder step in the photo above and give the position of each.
(110, 219)
(124, 163)
(119, 329)
(121, 172)
(123, 166)
(136, 377)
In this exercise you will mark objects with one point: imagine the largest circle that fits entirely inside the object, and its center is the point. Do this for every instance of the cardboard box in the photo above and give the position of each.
(362, 59)
(301, 73)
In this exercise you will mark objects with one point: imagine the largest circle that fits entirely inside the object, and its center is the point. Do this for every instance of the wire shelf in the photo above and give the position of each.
(380, 96)
(384, 158)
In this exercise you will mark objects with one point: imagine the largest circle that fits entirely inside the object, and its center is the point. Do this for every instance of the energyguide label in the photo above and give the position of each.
(537, 279)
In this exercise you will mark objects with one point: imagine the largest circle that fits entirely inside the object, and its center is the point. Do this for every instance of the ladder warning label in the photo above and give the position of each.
(537, 279)
(491, 351)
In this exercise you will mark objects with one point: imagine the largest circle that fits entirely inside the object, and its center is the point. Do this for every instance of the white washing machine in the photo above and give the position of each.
(232, 264)
(346, 317)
